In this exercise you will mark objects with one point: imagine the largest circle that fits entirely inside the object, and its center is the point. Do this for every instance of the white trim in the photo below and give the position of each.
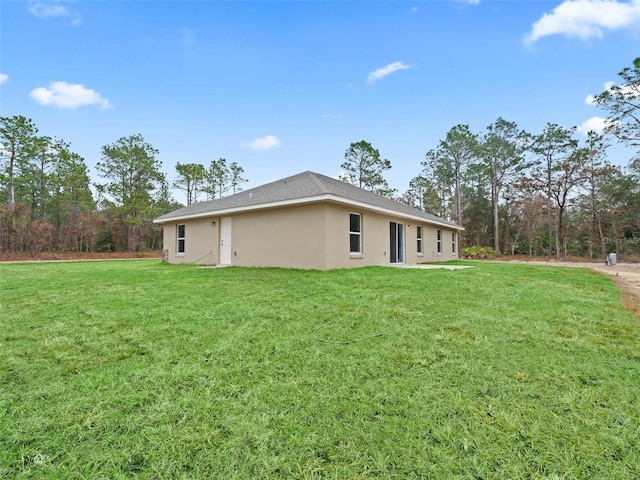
(302, 201)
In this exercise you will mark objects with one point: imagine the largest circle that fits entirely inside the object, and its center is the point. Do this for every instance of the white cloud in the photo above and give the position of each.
(585, 19)
(53, 9)
(626, 90)
(4, 78)
(264, 143)
(591, 99)
(388, 70)
(68, 95)
(42, 10)
(596, 124)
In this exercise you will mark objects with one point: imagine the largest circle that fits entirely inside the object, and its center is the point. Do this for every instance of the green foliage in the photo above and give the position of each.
(132, 171)
(364, 167)
(45, 177)
(148, 370)
(222, 179)
(622, 102)
(217, 178)
(17, 135)
(482, 181)
(437, 180)
(191, 178)
(478, 252)
(477, 214)
(42, 180)
(134, 179)
(501, 159)
(235, 177)
(444, 171)
(457, 152)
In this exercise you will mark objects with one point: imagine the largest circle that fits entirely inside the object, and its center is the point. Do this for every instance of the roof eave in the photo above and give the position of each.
(306, 200)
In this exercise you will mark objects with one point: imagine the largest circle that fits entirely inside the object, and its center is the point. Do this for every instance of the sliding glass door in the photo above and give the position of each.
(396, 242)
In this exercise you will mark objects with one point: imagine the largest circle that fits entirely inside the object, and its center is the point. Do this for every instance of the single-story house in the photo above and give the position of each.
(306, 221)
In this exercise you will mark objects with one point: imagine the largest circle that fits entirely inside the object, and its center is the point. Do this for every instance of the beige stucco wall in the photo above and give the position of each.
(313, 236)
(375, 240)
(292, 237)
(201, 241)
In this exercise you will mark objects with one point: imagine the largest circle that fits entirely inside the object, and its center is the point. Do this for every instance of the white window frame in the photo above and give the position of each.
(453, 242)
(439, 241)
(358, 233)
(419, 240)
(181, 238)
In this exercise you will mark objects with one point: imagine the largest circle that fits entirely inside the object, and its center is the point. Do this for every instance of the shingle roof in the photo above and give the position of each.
(299, 187)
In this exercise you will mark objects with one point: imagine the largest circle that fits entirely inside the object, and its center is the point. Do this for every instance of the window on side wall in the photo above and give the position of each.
(439, 241)
(181, 238)
(419, 238)
(355, 233)
(453, 242)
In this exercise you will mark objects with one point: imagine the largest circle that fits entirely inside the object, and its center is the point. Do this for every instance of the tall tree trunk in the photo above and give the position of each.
(10, 194)
(458, 195)
(549, 217)
(494, 201)
(41, 194)
(560, 231)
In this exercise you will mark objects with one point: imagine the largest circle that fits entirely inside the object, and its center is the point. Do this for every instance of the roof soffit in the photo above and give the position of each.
(327, 197)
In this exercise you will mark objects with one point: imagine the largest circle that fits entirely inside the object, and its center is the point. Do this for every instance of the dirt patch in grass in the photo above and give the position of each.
(627, 277)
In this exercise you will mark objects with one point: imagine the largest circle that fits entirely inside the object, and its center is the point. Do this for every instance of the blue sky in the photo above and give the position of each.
(284, 87)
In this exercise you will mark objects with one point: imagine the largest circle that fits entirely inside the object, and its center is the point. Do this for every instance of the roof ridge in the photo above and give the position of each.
(315, 177)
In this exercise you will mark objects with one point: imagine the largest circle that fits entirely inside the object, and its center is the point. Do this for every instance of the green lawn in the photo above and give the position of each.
(146, 370)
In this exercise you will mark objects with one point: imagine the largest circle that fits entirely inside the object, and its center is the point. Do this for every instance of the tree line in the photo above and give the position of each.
(52, 205)
(546, 193)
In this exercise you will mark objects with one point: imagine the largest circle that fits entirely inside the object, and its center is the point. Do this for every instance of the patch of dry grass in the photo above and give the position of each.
(630, 298)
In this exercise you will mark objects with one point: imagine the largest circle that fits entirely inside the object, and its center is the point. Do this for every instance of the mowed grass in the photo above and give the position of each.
(147, 370)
